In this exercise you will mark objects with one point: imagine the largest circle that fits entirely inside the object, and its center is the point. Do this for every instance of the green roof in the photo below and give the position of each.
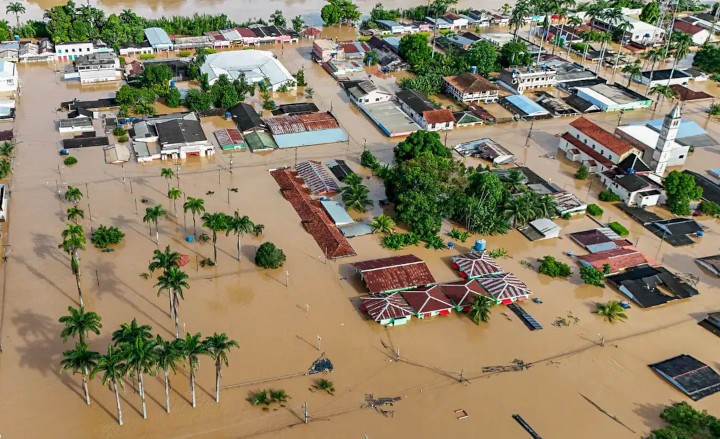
(260, 140)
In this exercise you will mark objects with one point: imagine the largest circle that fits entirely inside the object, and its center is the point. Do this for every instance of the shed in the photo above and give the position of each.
(245, 117)
(505, 288)
(475, 264)
(428, 301)
(229, 139)
(525, 107)
(337, 212)
(316, 178)
(651, 286)
(711, 263)
(691, 376)
(462, 293)
(158, 38)
(387, 309)
(259, 141)
(395, 273)
(118, 153)
(539, 229)
(339, 169)
(711, 323)
(85, 141)
(357, 229)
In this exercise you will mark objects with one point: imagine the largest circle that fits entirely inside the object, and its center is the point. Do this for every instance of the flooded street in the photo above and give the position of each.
(277, 324)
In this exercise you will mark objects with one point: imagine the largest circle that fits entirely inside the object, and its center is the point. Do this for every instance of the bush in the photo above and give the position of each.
(457, 234)
(710, 208)
(184, 53)
(618, 228)
(396, 241)
(119, 131)
(715, 109)
(147, 56)
(70, 160)
(582, 173)
(210, 51)
(368, 160)
(594, 210)
(123, 139)
(269, 256)
(592, 276)
(608, 196)
(553, 268)
(105, 236)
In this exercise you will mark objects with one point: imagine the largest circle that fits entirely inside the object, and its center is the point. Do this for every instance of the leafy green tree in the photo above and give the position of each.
(73, 195)
(592, 276)
(309, 93)
(153, 215)
(382, 224)
(174, 281)
(198, 100)
(300, 78)
(297, 24)
(515, 181)
(662, 92)
(216, 222)
(239, 225)
(269, 256)
(112, 367)
(167, 174)
(164, 260)
(650, 12)
(414, 49)
(681, 189)
(419, 142)
(480, 310)
(277, 18)
(515, 54)
(707, 59)
(196, 206)
(484, 56)
(356, 197)
(686, 422)
(16, 8)
(154, 74)
(633, 71)
(608, 196)
(192, 347)
(105, 236)
(520, 209)
(331, 14)
(582, 173)
(80, 360)
(73, 241)
(168, 354)
(79, 323)
(218, 346)
(139, 358)
(710, 208)
(553, 268)
(612, 311)
(129, 332)
(174, 194)
(368, 160)
(172, 99)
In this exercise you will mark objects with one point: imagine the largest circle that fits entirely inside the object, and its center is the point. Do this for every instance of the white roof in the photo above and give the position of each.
(595, 95)
(644, 134)
(7, 69)
(544, 225)
(641, 26)
(255, 64)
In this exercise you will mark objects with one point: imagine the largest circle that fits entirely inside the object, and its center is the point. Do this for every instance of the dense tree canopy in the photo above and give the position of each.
(414, 49)
(419, 142)
(650, 12)
(681, 189)
(515, 54)
(707, 59)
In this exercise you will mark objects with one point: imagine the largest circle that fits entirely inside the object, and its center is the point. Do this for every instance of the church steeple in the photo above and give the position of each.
(666, 140)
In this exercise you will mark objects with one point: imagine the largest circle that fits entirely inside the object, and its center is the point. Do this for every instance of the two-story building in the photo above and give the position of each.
(365, 92)
(471, 87)
(96, 67)
(520, 79)
(325, 50)
(597, 149)
(630, 181)
(8, 76)
(429, 116)
(72, 50)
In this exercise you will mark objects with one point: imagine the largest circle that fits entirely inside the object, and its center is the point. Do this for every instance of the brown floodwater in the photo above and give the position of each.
(277, 315)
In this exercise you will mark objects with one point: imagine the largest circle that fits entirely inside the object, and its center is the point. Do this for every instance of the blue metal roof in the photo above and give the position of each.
(525, 104)
(393, 41)
(157, 37)
(687, 128)
(294, 140)
(337, 212)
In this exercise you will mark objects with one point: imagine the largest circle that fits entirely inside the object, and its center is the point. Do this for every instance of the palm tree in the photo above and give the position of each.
(167, 356)
(548, 8)
(681, 44)
(633, 71)
(621, 27)
(480, 311)
(5, 168)
(662, 91)
(352, 180)
(515, 181)
(192, 347)
(218, 347)
(128, 333)
(612, 311)
(174, 194)
(505, 8)
(174, 281)
(382, 224)
(544, 205)
(615, 20)
(519, 210)
(356, 197)
(167, 174)
(152, 215)
(239, 225)
(73, 241)
(16, 8)
(6, 149)
(80, 360)
(573, 21)
(654, 56)
(196, 206)
(517, 18)
(258, 229)
(164, 260)
(112, 366)
(217, 222)
(140, 357)
(74, 213)
(73, 194)
(79, 324)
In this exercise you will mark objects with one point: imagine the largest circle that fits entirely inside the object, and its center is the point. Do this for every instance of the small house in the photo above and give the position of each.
(462, 293)
(395, 273)
(428, 301)
(539, 229)
(710, 263)
(475, 264)
(689, 375)
(618, 259)
(8, 76)
(229, 139)
(651, 286)
(387, 309)
(337, 213)
(158, 39)
(505, 288)
(180, 138)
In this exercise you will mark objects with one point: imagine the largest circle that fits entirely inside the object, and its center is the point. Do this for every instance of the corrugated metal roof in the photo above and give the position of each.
(317, 179)
(294, 140)
(394, 273)
(228, 137)
(462, 293)
(318, 121)
(337, 212)
(385, 307)
(505, 286)
(476, 264)
(157, 37)
(527, 106)
(427, 299)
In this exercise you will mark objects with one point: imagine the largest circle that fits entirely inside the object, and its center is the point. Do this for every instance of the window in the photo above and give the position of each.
(73, 50)
(681, 156)
(59, 50)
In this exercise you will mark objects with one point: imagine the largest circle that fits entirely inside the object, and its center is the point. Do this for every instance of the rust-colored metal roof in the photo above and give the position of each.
(311, 31)
(227, 137)
(438, 116)
(618, 258)
(470, 83)
(318, 121)
(386, 306)
(587, 150)
(316, 178)
(316, 221)
(394, 273)
(462, 292)
(687, 94)
(475, 264)
(603, 137)
(427, 299)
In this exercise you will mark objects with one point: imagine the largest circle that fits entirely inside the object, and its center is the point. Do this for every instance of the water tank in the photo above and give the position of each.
(473, 69)
(515, 70)
(228, 115)
(190, 239)
(543, 68)
(527, 69)
(647, 35)
(17, 37)
(479, 245)
(699, 233)
(451, 244)
(172, 84)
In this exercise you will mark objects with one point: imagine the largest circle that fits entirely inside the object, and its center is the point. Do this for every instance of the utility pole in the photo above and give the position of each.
(177, 173)
(319, 343)
(231, 157)
(364, 144)
(87, 190)
(305, 411)
(527, 144)
(620, 116)
(123, 171)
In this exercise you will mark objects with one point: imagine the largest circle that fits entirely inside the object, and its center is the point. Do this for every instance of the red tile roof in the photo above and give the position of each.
(438, 116)
(311, 31)
(505, 287)
(603, 137)
(462, 293)
(394, 273)
(316, 221)
(618, 258)
(245, 32)
(387, 306)
(587, 150)
(427, 299)
(687, 27)
(475, 264)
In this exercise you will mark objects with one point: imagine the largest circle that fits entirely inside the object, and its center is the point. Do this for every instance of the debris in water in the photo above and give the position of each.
(322, 364)
(377, 403)
(516, 366)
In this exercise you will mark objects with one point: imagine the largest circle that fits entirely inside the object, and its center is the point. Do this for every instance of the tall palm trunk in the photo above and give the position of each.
(172, 308)
(141, 389)
(218, 365)
(175, 207)
(192, 384)
(176, 302)
(652, 70)
(194, 227)
(157, 233)
(167, 390)
(584, 56)
(177, 325)
(77, 282)
(602, 57)
(85, 385)
(559, 37)
(117, 401)
(215, 247)
(239, 246)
